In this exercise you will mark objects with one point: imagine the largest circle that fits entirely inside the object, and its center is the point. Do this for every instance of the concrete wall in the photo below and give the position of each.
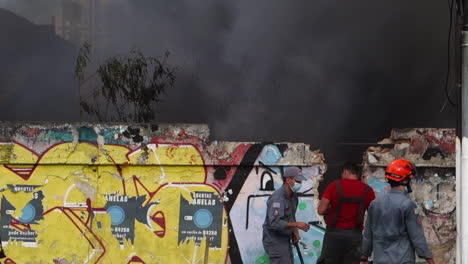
(433, 153)
(113, 193)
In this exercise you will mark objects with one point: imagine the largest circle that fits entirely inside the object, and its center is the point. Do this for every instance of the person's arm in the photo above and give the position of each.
(277, 221)
(416, 232)
(296, 236)
(298, 225)
(324, 203)
(367, 239)
(301, 225)
(323, 206)
(275, 211)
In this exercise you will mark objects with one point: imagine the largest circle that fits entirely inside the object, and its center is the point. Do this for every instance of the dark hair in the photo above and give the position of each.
(394, 183)
(352, 168)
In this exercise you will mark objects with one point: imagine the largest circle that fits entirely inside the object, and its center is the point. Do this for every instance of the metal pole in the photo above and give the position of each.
(458, 195)
(462, 140)
(462, 172)
(301, 259)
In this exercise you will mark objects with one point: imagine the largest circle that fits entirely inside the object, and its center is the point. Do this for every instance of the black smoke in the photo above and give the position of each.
(35, 72)
(320, 72)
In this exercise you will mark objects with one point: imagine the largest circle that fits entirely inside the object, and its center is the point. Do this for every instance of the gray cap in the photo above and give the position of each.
(294, 172)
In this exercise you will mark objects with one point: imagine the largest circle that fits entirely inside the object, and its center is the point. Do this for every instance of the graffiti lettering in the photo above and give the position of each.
(106, 194)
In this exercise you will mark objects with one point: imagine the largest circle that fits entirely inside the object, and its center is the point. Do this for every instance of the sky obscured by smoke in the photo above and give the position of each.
(318, 72)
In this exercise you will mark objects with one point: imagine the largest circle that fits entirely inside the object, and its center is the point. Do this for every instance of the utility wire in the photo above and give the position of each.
(449, 41)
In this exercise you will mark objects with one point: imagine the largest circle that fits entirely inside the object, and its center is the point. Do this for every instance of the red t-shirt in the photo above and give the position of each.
(347, 218)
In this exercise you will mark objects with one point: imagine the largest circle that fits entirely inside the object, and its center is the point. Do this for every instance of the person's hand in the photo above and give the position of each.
(303, 226)
(364, 262)
(296, 236)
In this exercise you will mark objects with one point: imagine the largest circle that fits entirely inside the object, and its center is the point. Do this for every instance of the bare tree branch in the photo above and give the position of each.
(131, 84)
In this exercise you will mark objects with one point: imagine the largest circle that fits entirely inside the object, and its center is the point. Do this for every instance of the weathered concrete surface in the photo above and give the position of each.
(433, 153)
(119, 193)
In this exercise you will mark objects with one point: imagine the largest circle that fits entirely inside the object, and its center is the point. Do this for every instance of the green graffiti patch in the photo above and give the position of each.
(316, 243)
(110, 136)
(87, 134)
(302, 206)
(57, 135)
(263, 260)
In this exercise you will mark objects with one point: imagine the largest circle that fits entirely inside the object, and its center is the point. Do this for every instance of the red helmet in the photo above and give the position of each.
(399, 169)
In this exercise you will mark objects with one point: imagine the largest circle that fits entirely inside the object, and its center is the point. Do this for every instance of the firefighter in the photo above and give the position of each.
(280, 226)
(393, 231)
(344, 203)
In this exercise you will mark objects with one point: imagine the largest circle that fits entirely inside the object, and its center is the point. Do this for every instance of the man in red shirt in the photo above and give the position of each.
(344, 203)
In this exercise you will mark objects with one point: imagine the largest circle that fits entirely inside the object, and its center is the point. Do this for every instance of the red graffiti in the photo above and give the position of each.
(135, 259)
(159, 219)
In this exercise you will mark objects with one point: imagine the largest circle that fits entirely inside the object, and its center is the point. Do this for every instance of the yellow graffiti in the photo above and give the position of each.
(75, 182)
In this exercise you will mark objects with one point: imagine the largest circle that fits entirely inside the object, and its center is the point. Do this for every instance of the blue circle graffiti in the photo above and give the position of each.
(28, 213)
(117, 214)
(203, 218)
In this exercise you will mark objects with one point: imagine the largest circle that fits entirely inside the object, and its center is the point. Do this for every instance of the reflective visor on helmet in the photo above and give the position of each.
(395, 175)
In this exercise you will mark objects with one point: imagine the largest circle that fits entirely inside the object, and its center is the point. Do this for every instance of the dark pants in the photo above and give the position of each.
(284, 256)
(287, 258)
(341, 246)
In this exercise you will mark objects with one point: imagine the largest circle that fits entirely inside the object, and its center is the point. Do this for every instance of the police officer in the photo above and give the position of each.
(393, 230)
(280, 226)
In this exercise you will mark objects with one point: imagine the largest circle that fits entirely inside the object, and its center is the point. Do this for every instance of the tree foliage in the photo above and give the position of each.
(123, 88)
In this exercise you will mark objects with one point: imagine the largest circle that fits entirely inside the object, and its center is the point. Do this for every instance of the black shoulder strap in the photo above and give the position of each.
(342, 199)
(338, 206)
(360, 218)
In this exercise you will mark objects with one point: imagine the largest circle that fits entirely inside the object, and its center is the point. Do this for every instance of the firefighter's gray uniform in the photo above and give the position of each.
(393, 231)
(276, 235)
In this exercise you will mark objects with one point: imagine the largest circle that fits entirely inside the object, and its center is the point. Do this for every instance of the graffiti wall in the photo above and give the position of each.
(80, 193)
(433, 153)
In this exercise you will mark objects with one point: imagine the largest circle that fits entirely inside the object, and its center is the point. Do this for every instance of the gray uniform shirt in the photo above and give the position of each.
(280, 211)
(393, 230)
